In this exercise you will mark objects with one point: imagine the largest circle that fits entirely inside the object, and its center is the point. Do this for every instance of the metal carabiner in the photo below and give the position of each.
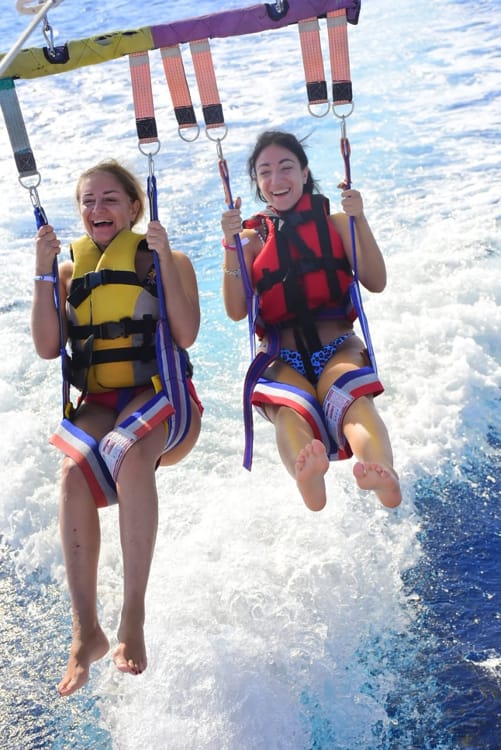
(219, 149)
(40, 215)
(49, 36)
(35, 200)
(343, 126)
(151, 165)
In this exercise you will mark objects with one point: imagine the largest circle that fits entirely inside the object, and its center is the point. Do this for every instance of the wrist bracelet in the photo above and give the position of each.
(227, 246)
(236, 272)
(45, 277)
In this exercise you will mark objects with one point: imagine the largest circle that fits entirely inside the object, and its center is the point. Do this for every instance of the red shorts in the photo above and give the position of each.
(118, 398)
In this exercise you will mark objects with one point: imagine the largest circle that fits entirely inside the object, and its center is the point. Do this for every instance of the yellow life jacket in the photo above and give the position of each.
(111, 316)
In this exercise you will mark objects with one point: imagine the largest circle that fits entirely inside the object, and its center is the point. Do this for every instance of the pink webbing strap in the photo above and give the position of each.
(178, 86)
(337, 31)
(311, 50)
(139, 64)
(206, 81)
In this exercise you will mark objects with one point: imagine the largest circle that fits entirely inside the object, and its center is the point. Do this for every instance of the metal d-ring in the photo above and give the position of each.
(319, 114)
(218, 138)
(346, 114)
(189, 140)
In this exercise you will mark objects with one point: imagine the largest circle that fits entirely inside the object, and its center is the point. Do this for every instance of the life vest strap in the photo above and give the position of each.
(122, 328)
(291, 270)
(84, 359)
(82, 287)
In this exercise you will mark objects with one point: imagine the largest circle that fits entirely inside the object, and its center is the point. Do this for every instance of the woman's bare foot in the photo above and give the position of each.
(312, 463)
(130, 654)
(382, 480)
(83, 652)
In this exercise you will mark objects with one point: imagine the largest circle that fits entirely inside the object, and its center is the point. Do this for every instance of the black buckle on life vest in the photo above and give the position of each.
(115, 329)
(97, 278)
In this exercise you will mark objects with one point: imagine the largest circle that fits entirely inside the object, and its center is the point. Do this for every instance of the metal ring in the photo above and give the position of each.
(145, 152)
(320, 114)
(342, 117)
(189, 140)
(215, 139)
(38, 180)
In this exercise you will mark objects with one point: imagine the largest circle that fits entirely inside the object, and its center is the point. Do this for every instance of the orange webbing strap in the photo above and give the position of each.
(139, 64)
(207, 86)
(311, 50)
(337, 31)
(178, 87)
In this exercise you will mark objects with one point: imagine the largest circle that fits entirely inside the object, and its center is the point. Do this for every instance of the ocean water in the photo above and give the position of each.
(269, 627)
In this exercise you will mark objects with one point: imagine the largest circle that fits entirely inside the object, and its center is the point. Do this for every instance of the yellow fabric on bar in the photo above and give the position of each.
(32, 63)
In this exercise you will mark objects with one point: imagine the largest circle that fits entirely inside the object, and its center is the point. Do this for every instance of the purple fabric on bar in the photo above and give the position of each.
(248, 20)
(32, 63)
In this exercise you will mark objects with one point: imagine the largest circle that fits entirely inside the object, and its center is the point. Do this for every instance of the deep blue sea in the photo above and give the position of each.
(269, 627)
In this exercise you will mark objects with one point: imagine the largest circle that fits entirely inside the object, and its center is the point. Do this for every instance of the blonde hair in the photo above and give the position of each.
(127, 180)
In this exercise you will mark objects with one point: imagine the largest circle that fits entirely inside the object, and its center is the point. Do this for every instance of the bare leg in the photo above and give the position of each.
(368, 437)
(138, 506)
(304, 457)
(80, 533)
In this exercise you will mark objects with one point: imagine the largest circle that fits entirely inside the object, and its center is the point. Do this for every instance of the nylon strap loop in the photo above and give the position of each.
(14, 122)
(337, 31)
(180, 94)
(207, 86)
(146, 126)
(313, 64)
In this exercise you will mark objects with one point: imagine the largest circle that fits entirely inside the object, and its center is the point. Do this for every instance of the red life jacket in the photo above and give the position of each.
(302, 272)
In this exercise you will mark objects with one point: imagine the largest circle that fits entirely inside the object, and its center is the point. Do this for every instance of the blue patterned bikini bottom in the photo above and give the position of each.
(318, 359)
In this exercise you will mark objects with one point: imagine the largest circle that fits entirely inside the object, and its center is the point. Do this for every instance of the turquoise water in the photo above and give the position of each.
(270, 627)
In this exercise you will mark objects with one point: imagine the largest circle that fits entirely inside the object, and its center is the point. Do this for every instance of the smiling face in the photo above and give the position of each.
(105, 207)
(280, 177)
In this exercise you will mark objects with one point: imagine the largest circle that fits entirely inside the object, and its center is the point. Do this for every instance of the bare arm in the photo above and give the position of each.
(180, 287)
(370, 262)
(44, 315)
(234, 297)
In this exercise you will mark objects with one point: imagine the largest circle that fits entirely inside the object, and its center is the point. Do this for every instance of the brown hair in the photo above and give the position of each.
(292, 144)
(126, 179)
